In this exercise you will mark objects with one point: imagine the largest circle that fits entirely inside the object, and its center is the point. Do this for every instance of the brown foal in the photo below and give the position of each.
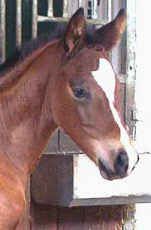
(67, 83)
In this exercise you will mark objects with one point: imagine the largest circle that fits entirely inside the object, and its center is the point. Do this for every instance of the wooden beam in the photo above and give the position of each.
(61, 179)
(59, 19)
(131, 65)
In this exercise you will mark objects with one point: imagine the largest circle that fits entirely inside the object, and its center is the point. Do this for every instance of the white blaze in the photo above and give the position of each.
(105, 78)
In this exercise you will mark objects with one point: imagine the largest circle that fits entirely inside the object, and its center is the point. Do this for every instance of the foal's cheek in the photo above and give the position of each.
(63, 108)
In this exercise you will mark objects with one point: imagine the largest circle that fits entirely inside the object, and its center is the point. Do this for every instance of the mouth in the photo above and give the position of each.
(111, 176)
(108, 174)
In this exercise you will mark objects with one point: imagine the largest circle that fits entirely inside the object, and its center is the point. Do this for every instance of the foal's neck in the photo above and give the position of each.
(26, 119)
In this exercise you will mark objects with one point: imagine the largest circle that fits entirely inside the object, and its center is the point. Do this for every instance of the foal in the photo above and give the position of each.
(67, 83)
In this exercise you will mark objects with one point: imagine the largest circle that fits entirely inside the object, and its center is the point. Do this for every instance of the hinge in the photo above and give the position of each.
(134, 114)
(135, 117)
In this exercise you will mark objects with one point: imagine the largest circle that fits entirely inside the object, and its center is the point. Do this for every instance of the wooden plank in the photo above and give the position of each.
(59, 19)
(2, 30)
(131, 65)
(43, 217)
(119, 52)
(122, 104)
(70, 218)
(92, 218)
(53, 145)
(111, 217)
(127, 190)
(121, 95)
(51, 182)
(61, 179)
(128, 219)
(103, 217)
(115, 217)
(39, 188)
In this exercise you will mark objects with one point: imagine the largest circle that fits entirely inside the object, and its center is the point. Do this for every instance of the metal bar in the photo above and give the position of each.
(89, 21)
(94, 8)
(18, 23)
(34, 18)
(102, 9)
(80, 3)
(72, 7)
(85, 6)
(2, 30)
(65, 9)
(50, 8)
(109, 10)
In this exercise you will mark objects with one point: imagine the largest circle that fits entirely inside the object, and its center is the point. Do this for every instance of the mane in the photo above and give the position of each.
(10, 71)
(28, 48)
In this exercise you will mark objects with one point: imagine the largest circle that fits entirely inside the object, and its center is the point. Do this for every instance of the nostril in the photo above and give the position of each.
(121, 162)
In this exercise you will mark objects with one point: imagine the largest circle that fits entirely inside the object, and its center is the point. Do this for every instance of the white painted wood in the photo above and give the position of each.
(78, 182)
(142, 97)
(143, 80)
(131, 65)
(88, 183)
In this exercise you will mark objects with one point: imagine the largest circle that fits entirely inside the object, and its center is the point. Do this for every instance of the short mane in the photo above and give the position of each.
(10, 71)
(28, 48)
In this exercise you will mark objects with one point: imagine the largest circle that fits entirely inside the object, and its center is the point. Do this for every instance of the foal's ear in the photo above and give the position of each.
(108, 35)
(75, 31)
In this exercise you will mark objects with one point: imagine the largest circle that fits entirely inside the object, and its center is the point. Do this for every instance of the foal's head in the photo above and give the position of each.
(85, 96)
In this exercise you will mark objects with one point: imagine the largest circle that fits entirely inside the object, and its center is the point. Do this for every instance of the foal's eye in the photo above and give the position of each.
(79, 92)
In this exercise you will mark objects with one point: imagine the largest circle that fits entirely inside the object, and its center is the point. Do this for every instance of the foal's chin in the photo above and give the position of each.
(110, 175)
(117, 167)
